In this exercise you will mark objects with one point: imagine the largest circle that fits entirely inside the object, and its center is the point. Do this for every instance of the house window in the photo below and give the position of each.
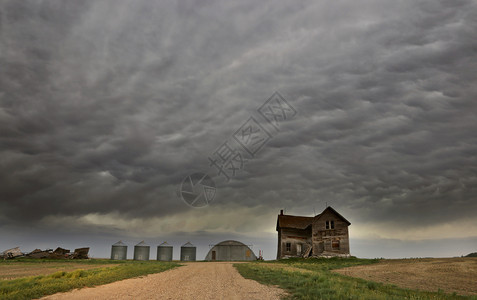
(335, 245)
(330, 224)
(288, 247)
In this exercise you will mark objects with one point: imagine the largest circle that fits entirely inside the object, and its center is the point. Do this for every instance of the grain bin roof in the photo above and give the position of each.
(120, 243)
(165, 244)
(142, 244)
(188, 244)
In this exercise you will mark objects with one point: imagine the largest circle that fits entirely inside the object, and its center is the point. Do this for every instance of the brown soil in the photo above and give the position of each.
(200, 280)
(457, 275)
(13, 271)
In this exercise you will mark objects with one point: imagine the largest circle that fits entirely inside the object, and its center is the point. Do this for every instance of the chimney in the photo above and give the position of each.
(281, 212)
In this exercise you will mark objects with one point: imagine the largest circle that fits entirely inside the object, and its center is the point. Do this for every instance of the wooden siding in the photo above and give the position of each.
(323, 238)
(324, 242)
(294, 237)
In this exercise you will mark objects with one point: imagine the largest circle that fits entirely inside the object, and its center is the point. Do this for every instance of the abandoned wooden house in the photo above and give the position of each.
(325, 234)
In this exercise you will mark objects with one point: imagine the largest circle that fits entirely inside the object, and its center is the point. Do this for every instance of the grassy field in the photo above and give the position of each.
(314, 279)
(12, 269)
(66, 275)
(457, 275)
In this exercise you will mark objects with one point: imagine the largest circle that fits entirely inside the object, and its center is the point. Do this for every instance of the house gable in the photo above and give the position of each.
(328, 212)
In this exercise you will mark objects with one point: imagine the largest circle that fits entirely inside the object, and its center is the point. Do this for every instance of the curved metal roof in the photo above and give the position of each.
(231, 250)
(230, 243)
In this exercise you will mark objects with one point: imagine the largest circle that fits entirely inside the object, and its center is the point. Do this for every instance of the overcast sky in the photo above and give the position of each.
(105, 107)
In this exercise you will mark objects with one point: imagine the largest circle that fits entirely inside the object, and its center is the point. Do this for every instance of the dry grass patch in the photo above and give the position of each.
(285, 267)
(87, 273)
(450, 275)
(13, 271)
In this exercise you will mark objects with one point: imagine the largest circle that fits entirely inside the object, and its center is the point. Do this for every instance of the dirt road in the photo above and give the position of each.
(200, 280)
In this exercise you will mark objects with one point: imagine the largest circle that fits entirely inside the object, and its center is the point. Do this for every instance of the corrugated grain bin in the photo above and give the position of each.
(141, 251)
(164, 252)
(119, 251)
(188, 252)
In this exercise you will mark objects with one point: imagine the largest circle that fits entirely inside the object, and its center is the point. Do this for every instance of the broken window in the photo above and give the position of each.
(288, 247)
(335, 245)
(330, 224)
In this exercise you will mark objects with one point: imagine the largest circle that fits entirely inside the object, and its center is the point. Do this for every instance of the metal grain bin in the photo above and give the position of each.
(188, 252)
(164, 252)
(119, 251)
(141, 251)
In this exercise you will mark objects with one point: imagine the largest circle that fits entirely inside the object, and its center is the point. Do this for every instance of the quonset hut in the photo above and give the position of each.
(230, 251)
(188, 252)
(141, 251)
(164, 252)
(119, 251)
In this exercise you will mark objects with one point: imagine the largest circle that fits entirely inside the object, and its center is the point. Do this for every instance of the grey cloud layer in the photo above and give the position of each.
(106, 105)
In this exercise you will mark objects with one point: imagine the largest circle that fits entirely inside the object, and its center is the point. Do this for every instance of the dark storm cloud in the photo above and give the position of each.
(107, 105)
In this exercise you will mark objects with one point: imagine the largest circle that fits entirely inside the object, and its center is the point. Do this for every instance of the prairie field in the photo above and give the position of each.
(35, 278)
(315, 278)
(450, 275)
(17, 269)
(354, 278)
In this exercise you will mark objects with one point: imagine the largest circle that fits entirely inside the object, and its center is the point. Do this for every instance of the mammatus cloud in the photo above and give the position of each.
(220, 219)
(105, 106)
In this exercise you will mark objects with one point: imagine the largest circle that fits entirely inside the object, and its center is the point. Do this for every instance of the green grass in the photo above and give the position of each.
(38, 286)
(321, 283)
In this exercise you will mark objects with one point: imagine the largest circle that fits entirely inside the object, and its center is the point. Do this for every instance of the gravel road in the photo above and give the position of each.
(199, 280)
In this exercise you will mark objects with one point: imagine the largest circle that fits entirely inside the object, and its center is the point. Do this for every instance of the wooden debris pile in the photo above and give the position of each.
(59, 253)
(80, 253)
(308, 249)
(11, 253)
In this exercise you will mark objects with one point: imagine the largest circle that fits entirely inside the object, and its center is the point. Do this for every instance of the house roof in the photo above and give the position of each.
(335, 212)
(299, 222)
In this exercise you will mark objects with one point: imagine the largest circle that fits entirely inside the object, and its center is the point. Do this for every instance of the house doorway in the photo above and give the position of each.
(298, 249)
